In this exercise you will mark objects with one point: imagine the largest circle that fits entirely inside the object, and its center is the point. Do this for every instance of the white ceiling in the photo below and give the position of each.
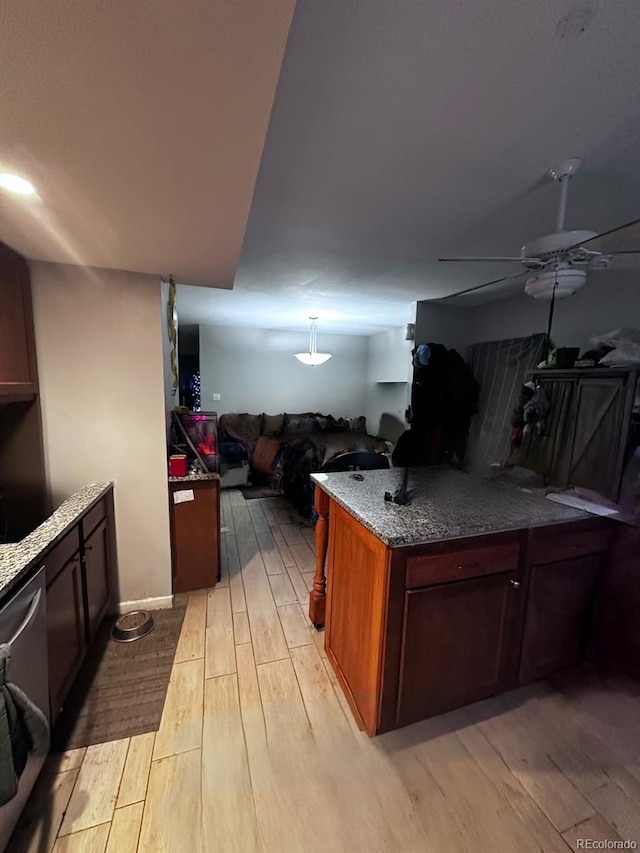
(141, 124)
(401, 131)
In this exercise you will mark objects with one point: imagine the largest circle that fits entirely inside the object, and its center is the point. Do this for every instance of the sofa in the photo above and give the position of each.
(283, 450)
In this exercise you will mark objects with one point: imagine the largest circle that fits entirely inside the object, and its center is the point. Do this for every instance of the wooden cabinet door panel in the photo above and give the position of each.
(455, 646)
(96, 568)
(558, 609)
(65, 631)
(17, 351)
(195, 536)
(599, 434)
(357, 586)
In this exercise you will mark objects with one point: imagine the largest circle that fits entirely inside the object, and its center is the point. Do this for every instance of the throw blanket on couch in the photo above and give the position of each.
(285, 449)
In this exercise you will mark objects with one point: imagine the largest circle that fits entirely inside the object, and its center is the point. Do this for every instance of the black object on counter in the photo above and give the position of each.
(401, 496)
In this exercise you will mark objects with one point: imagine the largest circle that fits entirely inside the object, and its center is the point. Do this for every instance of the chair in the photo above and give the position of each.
(356, 460)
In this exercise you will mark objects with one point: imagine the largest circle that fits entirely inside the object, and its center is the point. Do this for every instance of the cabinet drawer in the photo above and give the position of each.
(457, 565)
(57, 558)
(550, 547)
(93, 518)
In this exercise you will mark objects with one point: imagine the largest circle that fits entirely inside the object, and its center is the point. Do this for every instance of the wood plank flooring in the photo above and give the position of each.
(257, 751)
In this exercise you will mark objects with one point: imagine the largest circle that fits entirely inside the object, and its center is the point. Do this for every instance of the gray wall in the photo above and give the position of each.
(443, 324)
(607, 301)
(254, 370)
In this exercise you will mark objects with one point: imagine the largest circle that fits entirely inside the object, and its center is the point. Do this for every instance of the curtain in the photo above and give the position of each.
(501, 367)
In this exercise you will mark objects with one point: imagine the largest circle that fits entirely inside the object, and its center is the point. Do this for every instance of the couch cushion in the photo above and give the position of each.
(272, 424)
(305, 423)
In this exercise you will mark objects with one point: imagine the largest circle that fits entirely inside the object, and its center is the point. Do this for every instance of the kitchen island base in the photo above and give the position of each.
(419, 629)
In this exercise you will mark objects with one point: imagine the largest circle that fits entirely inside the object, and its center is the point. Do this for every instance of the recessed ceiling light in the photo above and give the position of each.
(16, 184)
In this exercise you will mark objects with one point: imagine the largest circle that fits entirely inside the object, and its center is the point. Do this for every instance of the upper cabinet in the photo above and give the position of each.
(585, 437)
(18, 372)
(389, 357)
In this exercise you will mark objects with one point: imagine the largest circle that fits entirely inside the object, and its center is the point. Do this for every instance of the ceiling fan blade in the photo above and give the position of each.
(524, 274)
(625, 239)
(465, 259)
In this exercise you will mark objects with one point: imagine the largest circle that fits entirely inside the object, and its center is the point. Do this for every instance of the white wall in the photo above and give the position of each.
(388, 376)
(607, 301)
(254, 370)
(99, 345)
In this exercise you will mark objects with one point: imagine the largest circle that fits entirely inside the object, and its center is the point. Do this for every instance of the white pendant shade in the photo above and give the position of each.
(313, 358)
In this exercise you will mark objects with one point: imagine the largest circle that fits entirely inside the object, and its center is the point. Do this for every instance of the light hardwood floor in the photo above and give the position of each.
(257, 749)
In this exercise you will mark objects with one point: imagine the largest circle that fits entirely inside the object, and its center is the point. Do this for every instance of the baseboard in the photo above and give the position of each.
(161, 603)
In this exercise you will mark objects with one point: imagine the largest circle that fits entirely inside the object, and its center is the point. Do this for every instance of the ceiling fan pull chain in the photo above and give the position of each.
(550, 323)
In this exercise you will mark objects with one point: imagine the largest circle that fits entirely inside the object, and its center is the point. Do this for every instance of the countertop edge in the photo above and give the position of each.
(21, 574)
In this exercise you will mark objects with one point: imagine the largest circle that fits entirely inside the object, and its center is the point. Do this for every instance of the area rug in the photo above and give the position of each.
(253, 492)
(121, 688)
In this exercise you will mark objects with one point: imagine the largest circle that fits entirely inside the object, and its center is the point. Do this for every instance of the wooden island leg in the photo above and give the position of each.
(318, 597)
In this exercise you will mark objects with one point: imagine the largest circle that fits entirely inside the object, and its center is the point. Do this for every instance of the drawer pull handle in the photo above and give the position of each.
(515, 584)
(88, 547)
(464, 566)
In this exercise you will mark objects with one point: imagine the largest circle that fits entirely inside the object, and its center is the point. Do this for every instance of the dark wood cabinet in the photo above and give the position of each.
(96, 573)
(66, 628)
(456, 644)
(78, 570)
(22, 469)
(558, 615)
(615, 638)
(417, 630)
(194, 507)
(18, 373)
(587, 429)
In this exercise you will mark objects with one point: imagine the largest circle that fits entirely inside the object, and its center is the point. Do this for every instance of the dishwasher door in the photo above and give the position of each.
(23, 625)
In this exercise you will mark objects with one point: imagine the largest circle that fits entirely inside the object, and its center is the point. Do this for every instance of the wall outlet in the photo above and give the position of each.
(216, 398)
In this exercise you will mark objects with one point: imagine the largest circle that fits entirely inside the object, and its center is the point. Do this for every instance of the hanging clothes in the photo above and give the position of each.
(444, 396)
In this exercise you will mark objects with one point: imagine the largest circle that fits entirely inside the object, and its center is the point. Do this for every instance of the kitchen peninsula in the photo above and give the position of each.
(472, 588)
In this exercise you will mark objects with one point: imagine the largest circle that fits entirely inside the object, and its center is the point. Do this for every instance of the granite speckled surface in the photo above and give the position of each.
(190, 478)
(16, 559)
(445, 504)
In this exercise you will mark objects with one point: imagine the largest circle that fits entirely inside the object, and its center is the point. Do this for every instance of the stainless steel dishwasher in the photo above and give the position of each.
(23, 625)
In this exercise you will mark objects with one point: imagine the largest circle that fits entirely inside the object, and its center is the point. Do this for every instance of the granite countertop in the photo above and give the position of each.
(191, 478)
(16, 559)
(445, 504)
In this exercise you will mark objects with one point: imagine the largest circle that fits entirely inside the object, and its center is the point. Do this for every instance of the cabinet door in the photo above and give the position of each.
(96, 568)
(600, 434)
(65, 630)
(195, 535)
(456, 644)
(558, 613)
(17, 349)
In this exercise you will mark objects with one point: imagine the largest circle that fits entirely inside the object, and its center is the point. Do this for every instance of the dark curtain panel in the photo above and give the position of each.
(500, 367)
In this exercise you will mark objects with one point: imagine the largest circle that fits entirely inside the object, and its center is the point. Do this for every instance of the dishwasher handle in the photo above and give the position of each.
(35, 601)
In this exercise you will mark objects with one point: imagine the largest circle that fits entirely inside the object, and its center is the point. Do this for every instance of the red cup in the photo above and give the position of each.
(178, 465)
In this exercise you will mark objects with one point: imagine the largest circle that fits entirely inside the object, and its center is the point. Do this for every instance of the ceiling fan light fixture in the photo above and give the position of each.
(313, 358)
(564, 281)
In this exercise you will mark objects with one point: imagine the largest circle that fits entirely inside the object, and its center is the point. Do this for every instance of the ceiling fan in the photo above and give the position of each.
(557, 264)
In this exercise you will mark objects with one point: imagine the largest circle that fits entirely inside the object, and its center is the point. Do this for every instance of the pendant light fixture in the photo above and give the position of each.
(313, 357)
